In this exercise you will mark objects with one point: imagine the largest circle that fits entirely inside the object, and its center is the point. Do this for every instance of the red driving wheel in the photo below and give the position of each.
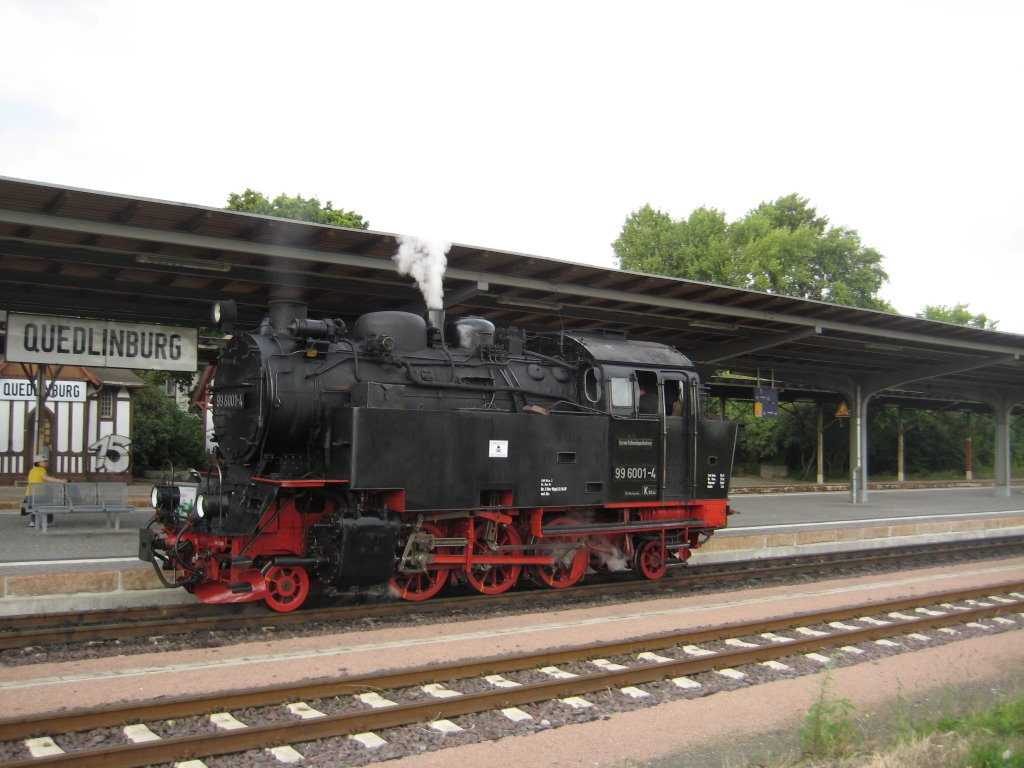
(490, 578)
(651, 559)
(422, 585)
(287, 587)
(571, 556)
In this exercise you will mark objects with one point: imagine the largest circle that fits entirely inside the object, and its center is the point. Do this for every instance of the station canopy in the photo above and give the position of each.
(66, 251)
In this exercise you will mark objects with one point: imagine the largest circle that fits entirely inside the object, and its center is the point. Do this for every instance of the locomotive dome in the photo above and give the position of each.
(470, 332)
(406, 330)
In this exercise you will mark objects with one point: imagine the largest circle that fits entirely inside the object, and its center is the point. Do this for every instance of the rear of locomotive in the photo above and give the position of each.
(659, 486)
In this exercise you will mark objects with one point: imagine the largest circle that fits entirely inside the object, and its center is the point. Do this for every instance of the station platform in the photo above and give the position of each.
(79, 563)
(767, 523)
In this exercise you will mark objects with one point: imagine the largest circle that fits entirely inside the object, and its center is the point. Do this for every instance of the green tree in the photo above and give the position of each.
(782, 247)
(707, 246)
(697, 248)
(648, 242)
(958, 314)
(296, 207)
(161, 432)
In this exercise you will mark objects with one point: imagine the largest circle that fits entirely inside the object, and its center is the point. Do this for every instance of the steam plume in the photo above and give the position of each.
(425, 260)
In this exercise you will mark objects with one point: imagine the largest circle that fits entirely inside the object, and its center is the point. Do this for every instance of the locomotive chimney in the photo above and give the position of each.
(284, 311)
(435, 329)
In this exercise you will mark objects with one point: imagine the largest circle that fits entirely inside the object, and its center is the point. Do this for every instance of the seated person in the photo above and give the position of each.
(38, 474)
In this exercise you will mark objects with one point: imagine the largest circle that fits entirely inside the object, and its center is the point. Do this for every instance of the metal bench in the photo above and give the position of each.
(58, 499)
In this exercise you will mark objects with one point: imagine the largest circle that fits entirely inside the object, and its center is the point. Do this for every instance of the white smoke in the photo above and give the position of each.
(425, 260)
(612, 561)
(608, 556)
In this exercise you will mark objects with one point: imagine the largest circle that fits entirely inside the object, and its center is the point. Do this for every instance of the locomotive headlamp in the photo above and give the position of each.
(210, 504)
(166, 497)
(224, 314)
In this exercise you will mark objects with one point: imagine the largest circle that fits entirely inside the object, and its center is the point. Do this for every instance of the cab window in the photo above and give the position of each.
(622, 392)
(673, 397)
(647, 393)
(592, 385)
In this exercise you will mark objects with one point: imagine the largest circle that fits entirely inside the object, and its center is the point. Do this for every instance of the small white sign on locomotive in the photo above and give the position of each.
(100, 343)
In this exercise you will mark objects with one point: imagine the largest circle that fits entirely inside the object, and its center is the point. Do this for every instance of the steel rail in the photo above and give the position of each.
(66, 721)
(330, 726)
(68, 628)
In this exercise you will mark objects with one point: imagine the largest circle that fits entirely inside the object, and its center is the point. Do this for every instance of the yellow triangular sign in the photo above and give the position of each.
(842, 412)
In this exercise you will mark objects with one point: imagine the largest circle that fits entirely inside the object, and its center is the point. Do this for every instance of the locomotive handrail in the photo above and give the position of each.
(577, 406)
(299, 483)
(478, 387)
(553, 360)
(355, 363)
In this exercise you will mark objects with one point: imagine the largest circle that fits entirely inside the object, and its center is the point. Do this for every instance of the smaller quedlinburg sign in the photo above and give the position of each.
(100, 343)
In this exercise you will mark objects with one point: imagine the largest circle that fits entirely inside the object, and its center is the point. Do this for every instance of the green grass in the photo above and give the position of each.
(975, 723)
(827, 730)
(995, 737)
(992, 737)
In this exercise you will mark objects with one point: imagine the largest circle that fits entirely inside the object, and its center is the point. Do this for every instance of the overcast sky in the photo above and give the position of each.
(538, 127)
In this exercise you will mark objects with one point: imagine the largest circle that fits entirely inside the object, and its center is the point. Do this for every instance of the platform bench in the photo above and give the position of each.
(46, 499)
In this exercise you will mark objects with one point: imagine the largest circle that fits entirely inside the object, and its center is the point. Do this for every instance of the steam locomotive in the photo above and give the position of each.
(414, 453)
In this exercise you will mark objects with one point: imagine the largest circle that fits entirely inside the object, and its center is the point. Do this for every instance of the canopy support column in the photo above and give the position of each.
(1003, 481)
(859, 445)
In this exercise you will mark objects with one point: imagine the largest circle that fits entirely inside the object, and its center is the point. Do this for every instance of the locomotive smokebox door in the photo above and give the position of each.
(634, 453)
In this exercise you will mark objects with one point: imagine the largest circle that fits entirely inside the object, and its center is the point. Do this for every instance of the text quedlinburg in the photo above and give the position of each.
(100, 343)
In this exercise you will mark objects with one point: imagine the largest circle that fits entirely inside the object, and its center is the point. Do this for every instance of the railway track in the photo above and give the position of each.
(121, 625)
(368, 712)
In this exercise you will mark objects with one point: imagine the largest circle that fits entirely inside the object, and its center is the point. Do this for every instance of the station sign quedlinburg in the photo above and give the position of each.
(100, 343)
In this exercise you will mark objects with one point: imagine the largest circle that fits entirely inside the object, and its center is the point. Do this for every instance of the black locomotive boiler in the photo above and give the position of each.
(419, 454)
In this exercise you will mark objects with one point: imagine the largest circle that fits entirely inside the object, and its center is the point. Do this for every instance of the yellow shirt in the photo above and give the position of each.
(37, 475)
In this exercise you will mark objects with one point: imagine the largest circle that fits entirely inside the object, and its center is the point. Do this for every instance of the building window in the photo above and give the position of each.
(106, 404)
(47, 429)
